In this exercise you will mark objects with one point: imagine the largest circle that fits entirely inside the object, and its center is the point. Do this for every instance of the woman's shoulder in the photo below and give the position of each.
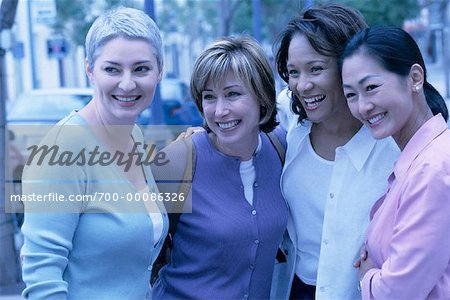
(177, 156)
(71, 131)
(435, 158)
(280, 133)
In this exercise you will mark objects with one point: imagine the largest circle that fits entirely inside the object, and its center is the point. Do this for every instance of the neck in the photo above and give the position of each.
(94, 116)
(345, 127)
(419, 117)
(111, 134)
(243, 149)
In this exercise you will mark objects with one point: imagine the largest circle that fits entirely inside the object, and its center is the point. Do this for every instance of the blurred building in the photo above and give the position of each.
(38, 57)
(432, 32)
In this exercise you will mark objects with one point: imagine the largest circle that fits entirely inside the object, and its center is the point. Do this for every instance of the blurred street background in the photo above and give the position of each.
(42, 75)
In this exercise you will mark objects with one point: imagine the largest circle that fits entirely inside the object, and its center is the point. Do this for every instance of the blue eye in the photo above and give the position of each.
(208, 97)
(142, 69)
(111, 70)
(233, 94)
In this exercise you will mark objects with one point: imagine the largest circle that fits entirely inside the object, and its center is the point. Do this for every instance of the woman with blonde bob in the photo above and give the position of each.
(226, 247)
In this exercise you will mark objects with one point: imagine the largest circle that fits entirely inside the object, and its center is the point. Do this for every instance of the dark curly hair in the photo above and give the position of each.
(328, 27)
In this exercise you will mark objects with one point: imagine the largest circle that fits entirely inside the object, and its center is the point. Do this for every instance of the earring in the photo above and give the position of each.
(416, 88)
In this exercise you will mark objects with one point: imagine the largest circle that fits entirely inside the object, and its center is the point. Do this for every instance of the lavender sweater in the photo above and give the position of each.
(225, 248)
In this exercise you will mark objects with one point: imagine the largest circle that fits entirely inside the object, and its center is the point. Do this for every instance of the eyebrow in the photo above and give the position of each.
(225, 88)
(311, 62)
(362, 80)
(231, 86)
(136, 63)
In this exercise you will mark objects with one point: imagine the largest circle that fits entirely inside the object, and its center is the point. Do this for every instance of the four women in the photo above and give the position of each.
(334, 170)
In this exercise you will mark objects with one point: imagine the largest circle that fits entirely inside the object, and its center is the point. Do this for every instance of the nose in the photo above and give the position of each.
(127, 82)
(365, 105)
(302, 84)
(222, 108)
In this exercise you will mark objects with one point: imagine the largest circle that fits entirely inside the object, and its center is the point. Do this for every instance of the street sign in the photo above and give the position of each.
(57, 48)
(44, 11)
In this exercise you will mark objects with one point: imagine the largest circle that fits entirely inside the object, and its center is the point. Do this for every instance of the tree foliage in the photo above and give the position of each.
(204, 16)
(385, 12)
(74, 17)
(208, 19)
(191, 17)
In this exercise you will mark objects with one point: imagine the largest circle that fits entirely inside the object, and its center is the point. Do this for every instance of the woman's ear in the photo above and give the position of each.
(417, 76)
(89, 71)
(160, 75)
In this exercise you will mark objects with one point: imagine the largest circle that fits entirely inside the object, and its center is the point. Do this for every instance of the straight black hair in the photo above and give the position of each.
(396, 51)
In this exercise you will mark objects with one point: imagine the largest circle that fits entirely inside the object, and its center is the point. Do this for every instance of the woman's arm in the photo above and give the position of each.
(47, 245)
(49, 228)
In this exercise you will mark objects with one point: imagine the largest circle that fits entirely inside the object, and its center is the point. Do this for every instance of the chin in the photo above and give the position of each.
(127, 119)
(379, 135)
(230, 139)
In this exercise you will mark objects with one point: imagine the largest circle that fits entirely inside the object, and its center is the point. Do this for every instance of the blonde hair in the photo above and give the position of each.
(124, 22)
(245, 58)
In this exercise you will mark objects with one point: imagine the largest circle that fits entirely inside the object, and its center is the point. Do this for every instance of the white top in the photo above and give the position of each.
(155, 215)
(309, 214)
(285, 115)
(248, 175)
(358, 179)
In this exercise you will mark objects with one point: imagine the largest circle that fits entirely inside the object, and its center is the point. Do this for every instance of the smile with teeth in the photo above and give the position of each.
(226, 125)
(375, 119)
(313, 102)
(126, 99)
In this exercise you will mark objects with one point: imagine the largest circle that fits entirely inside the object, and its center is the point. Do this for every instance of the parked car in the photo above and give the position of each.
(47, 106)
(32, 114)
(177, 104)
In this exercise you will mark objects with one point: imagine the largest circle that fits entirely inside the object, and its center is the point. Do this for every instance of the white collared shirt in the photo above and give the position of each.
(358, 179)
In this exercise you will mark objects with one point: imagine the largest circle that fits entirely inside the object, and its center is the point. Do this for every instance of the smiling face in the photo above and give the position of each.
(125, 75)
(232, 113)
(315, 79)
(382, 100)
